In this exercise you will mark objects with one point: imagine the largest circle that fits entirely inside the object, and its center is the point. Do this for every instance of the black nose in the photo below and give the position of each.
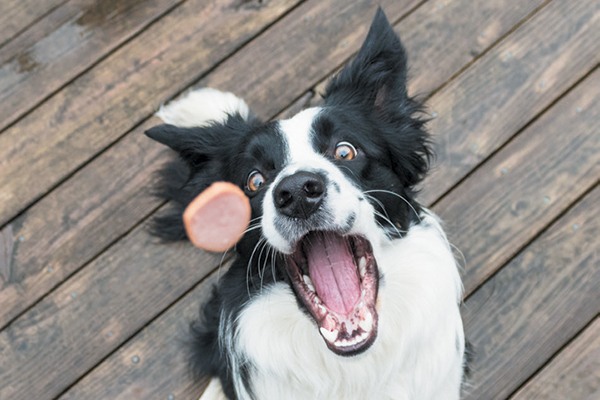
(299, 195)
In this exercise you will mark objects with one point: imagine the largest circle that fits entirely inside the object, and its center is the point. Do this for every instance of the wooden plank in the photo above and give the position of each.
(574, 374)
(80, 219)
(441, 38)
(532, 307)
(501, 92)
(72, 224)
(65, 43)
(303, 48)
(514, 195)
(17, 15)
(68, 332)
(153, 364)
(105, 102)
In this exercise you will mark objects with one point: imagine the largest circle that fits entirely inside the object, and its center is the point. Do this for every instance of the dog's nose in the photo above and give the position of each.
(299, 195)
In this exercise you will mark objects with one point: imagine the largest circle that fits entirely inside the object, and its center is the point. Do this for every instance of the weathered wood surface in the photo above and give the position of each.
(512, 197)
(87, 317)
(80, 276)
(530, 69)
(520, 318)
(17, 16)
(159, 348)
(124, 89)
(467, 28)
(574, 374)
(106, 198)
(65, 43)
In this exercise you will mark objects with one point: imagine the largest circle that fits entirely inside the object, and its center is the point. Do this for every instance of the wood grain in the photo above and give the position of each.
(17, 15)
(303, 48)
(125, 88)
(78, 220)
(160, 369)
(513, 196)
(88, 316)
(543, 298)
(65, 43)
(574, 374)
(441, 38)
(501, 92)
(86, 214)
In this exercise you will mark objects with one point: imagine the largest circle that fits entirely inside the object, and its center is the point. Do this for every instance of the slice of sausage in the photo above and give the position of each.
(217, 218)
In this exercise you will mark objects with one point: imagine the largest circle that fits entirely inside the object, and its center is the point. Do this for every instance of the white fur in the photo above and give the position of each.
(202, 107)
(214, 391)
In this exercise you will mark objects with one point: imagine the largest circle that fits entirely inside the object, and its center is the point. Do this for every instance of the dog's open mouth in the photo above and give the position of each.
(336, 278)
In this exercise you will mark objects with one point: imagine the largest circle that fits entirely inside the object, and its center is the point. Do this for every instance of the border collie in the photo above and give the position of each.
(343, 286)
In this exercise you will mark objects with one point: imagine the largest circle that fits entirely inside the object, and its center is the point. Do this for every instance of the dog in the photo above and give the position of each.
(343, 286)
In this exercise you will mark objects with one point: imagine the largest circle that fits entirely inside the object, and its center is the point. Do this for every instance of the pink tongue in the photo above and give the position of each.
(332, 270)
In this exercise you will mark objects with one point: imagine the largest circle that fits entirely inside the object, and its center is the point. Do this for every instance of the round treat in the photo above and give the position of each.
(217, 218)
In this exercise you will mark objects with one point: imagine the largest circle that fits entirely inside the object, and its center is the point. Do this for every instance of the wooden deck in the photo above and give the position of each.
(91, 307)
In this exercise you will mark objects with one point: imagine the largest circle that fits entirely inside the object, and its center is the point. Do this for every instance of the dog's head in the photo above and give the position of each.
(328, 187)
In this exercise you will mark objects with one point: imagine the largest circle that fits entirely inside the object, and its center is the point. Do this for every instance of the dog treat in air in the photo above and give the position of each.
(217, 218)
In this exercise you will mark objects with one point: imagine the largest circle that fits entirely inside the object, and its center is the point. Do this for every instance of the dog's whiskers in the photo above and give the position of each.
(261, 272)
(255, 223)
(397, 195)
(273, 263)
(221, 264)
(392, 225)
(249, 266)
(385, 217)
(379, 203)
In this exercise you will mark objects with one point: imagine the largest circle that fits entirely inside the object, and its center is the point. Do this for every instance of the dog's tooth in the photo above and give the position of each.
(308, 282)
(329, 323)
(362, 266)
(346, 342)
(367, 323)
(330, 336)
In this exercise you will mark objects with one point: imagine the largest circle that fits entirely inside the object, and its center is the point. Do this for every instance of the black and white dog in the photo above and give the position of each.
(343, 287)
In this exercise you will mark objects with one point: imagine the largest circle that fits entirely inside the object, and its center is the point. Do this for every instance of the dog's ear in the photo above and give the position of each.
(189, 143)
(376, 78)
(197, 145)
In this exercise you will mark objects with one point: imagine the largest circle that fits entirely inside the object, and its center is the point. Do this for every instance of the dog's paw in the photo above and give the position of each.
(203, 107)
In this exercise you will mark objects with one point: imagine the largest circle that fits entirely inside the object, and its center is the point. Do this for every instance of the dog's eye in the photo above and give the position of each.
(345, 151)
(255, 181)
